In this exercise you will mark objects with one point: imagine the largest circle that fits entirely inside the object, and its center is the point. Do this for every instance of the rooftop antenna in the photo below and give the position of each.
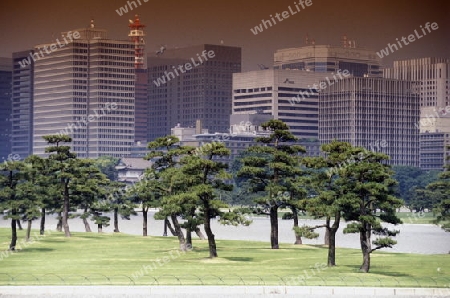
(344, 40)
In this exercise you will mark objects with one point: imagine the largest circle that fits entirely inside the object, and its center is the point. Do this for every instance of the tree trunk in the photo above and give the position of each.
(169, 225)
(326, 238)
(116, 220)
(188, 237)
(12, 245)
(144, 221)
(165, 227)
(331, 246)
(59, 224)
(66, 207)
(42, 224)
(100, 228)
(273, 227)
(199, 233)
(28, 235)
(19, 225)
(209, 233)
(364, 237)
(331, 231)
(179, 232)
(87, 227)
(298, 239)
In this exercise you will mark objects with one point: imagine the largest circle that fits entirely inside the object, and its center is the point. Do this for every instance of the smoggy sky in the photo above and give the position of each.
(175, 23)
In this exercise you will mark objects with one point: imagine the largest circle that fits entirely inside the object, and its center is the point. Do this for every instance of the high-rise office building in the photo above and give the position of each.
(86, 89)
(287, 95)
(5, 108)
(433, 78)
(358, 61)
(190, 84)
(375, 113)
(141, 106)
(22, 109)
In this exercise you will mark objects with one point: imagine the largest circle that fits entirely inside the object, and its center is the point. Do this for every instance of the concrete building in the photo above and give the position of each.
(434, 150)
(433, 77)
(142, 106)
(287, 95)
(374, 113)
(22, 109)
(5, 107)
(85, 88)
(358, 61)
(131, 170)
(244, 128)
(191, 83)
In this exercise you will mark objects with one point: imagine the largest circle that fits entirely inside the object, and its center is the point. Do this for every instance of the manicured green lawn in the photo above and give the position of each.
(119, 259)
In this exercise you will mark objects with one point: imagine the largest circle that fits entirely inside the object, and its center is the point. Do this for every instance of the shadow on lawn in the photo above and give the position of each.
(239, 259)
(37, 249)
(374, 270)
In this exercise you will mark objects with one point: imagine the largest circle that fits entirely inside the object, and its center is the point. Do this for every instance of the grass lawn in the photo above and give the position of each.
(89, 258)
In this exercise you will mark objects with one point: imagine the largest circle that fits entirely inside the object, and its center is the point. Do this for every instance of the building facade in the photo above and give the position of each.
(359, 62)
(375, 113)
(433, 78)
(190, 84)
(434, 150)
(22, 109)
(288, 95)
(5, 108)
(86, 89)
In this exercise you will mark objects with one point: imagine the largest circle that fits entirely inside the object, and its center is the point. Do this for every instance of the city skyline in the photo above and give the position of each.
(175, 25)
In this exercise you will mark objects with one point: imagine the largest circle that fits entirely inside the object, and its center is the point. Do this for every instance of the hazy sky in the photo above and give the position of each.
(175, 23)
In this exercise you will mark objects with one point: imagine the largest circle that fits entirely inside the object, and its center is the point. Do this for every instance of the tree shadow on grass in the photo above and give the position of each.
(375, 270)
(37, 249)
(239, 259)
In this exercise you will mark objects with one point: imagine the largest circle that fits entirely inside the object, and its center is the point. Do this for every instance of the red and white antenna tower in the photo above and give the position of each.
(137, 36)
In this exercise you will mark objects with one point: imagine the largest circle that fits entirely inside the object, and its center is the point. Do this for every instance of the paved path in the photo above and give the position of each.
(218, 292)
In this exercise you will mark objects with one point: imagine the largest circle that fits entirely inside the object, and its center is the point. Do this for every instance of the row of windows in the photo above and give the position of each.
(253, 90)
(253, 96)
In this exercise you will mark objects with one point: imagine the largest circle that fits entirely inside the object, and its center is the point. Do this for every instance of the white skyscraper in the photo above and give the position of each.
(85, 88)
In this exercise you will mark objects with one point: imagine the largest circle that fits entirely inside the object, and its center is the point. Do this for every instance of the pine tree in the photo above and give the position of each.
(368, 199)
(271, 167)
